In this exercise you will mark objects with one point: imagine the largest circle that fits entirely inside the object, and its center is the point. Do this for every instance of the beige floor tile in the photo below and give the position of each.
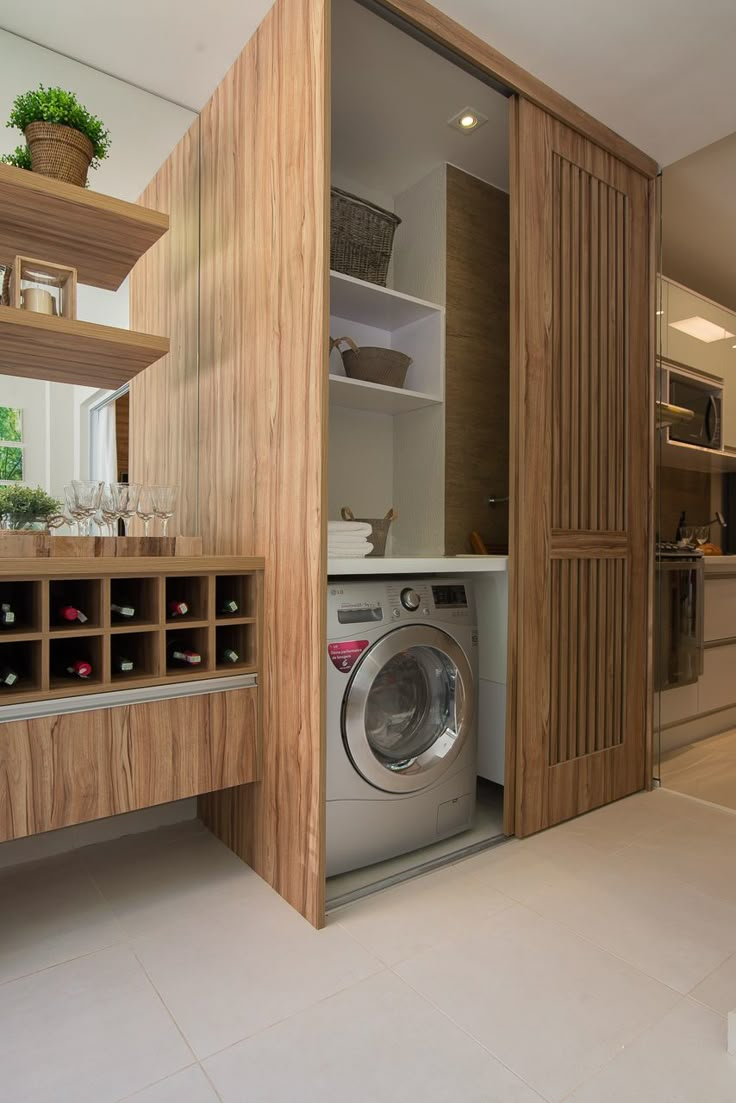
(189, 1086)
(245, 966)
(51, 912)
(90, 1031)
(662, 925)
(550, 1005)
(705, 769)
(438, 908)
(156, 880)
(377, 1042)
(682, 1059)
(719, 989)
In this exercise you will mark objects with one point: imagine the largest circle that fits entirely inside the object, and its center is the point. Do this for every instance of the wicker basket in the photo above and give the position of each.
(361, 237)
(372, 365)
(379, 525)
(59, 151)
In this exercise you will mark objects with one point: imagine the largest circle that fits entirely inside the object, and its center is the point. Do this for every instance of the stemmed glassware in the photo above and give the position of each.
(164, 504)
(145, 507)
(83, 500)
(125, 499)
(108, 511)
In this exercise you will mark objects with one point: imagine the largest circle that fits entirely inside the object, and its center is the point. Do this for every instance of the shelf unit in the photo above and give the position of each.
(102, 237)
(62, 350)
(41, 644)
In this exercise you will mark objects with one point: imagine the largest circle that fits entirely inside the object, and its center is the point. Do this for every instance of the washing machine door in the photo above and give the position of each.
(408, 709)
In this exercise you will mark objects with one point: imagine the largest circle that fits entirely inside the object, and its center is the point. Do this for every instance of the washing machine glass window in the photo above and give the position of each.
(408, 708)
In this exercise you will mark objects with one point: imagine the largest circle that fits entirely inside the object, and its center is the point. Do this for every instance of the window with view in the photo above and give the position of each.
(11, 445)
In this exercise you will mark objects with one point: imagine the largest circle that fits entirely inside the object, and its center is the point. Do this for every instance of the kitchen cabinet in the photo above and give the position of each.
(714, 357)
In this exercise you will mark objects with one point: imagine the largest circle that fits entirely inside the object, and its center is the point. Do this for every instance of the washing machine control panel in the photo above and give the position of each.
(410, 599)
(357, 604)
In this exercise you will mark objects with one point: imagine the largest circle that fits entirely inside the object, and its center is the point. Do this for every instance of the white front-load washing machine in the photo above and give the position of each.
(401, 736)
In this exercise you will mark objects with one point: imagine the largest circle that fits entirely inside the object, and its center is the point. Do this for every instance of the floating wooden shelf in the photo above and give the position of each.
(100, 236)
(43, 645)
(40, 346)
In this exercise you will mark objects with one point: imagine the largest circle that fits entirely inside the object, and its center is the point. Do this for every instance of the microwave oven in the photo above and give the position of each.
(705, 398)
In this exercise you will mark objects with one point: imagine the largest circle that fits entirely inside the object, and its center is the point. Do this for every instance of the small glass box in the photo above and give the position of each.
(44, 287)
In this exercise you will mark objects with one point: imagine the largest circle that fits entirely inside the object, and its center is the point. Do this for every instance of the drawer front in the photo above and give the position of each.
(60, 770)
(720, 608)
(717, 687)
(674, 705)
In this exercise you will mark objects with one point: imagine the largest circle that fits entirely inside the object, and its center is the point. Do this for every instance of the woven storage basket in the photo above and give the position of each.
(59, 151)
(361, 237)
(372, 365)
(380, 526)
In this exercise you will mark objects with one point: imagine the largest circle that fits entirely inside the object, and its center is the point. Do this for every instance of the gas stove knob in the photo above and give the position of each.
(410, 599)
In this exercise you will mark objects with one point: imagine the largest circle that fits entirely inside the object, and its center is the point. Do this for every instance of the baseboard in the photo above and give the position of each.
(700, 727)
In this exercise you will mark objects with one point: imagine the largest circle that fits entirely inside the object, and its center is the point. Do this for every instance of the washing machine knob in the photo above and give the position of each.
(410, 599)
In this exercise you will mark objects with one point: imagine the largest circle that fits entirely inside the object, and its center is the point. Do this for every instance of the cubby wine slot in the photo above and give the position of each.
(74, 604)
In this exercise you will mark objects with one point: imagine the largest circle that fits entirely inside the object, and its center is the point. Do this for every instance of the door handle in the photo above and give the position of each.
(711, 423)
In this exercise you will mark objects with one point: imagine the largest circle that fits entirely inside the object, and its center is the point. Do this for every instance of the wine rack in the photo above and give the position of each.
(43, 642)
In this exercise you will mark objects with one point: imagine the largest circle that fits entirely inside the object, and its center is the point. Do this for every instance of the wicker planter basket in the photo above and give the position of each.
(59, 151)
(372, 365)
(361, 237)
(380, 526)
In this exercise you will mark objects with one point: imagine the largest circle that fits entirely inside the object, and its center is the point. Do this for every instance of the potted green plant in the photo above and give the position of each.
(64, 139)
(20, 158)
(22, 507)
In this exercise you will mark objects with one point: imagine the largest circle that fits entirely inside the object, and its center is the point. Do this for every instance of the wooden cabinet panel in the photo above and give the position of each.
(67, 769)
(717, 687)
(582, 471)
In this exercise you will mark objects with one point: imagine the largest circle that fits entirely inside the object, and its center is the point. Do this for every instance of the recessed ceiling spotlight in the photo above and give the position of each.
(466, 120)
(659, 312)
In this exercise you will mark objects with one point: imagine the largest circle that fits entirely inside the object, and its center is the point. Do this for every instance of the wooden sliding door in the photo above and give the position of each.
(582, 369)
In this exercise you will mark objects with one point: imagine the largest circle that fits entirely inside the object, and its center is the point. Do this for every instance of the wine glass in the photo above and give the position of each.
(145, 507)
(87, 495)
(108, 511)
(164, 504)
(125, 496)
(702, 534)
(71, 509)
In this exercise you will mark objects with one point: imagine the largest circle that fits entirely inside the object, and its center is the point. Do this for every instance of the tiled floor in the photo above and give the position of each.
(706, 769)
(594, 963)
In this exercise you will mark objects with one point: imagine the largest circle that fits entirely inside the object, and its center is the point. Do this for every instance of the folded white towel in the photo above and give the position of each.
(348, 553)
(353, 528)
(339, 546)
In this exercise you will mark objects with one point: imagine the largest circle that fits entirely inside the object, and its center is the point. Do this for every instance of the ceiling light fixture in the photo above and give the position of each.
(467, 120)
(701, 329)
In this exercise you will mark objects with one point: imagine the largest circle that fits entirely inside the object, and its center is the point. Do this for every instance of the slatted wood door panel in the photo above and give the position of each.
(581, 453)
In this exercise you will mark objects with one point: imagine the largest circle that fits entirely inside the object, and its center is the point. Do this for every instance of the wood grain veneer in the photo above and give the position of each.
(164, 297)
(122, 434)
(263, 415)
(450, 35)
(68, 769)
(38, 545)
(40, 346)
(582, 363)
(100, 236)
(477, 362)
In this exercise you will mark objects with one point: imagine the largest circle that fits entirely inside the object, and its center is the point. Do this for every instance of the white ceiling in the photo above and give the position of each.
(660, 72)
(391, 103)
(699, 221)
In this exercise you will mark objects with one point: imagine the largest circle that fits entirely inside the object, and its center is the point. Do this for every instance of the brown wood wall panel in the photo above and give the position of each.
(588, 632)
(60, 770)
(263, 415)
(164, 298)
(122, 433)
(583, 365)
(590, 355)
(477, 362)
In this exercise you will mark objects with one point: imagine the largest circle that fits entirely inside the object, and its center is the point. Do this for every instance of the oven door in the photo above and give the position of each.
(679, 648)
(705, 400)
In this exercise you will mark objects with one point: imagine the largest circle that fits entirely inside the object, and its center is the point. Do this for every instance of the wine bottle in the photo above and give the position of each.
(7, 616)
(123, 664)
(229, 655)
(181, 655)
(8, 677)
(178, 608)
(80, 668)
(123, 610)
(230, 605)
(71, 613)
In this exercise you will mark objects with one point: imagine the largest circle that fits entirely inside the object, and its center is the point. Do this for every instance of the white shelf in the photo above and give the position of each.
(375, 397)
(379, 307)
(412, 565)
